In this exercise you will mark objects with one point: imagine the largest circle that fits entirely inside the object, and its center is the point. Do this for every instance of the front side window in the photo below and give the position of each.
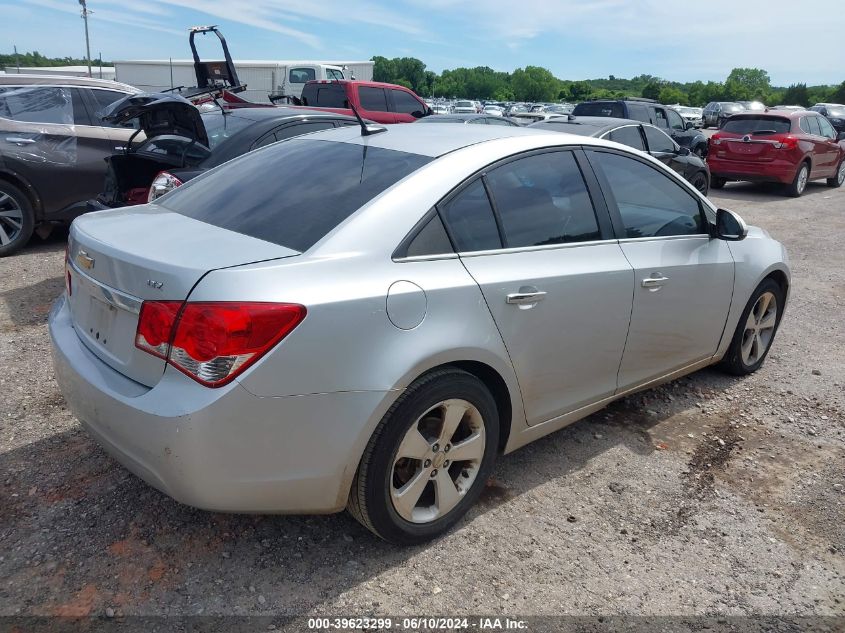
(294, 192)
(628, 135)
(658, 141)
(826, 128)
(406, 104)
(660, 118)
(813, 124)
(42, 104)
(542, 199)
(650, 202)
(301, 75)
(373, 99)
(469, 218)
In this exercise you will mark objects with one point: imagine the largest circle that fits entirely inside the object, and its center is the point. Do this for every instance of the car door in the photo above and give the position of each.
(553, 276)
(810, 124)
(374, 104)
(830, 144)
(683, 278)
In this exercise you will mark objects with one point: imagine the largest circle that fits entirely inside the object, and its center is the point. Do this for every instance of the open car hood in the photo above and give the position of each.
(157, 114)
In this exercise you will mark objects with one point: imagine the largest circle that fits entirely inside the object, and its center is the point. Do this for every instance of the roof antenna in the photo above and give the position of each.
(366, 130)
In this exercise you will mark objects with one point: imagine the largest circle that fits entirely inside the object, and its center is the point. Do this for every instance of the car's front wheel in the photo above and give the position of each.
(17, 220)
(716, 182)
(756, 329)
(699, 181)
(428, 460)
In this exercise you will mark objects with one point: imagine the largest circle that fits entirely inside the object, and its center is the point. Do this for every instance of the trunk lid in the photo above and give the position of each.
(158, 114)
(752, 137)
(119, 258)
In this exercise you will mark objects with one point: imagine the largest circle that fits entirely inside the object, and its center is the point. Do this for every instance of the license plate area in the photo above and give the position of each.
(101, 317)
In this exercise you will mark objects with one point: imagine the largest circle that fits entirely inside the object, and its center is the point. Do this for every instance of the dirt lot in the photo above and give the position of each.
(711, 495)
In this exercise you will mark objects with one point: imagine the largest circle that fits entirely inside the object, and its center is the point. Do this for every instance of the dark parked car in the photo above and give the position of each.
(835, 113)
(52, 146)
(183, 141)
(717, 112)
(648, 111)
(482, 119)
(641, 136)
(792, 148)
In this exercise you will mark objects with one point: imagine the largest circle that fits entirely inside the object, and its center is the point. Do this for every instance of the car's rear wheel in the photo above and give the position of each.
(699, 181)
(839, 177)
(799, 183)
(17, 220)
(428, 460)
(756, 329)
(716, 182)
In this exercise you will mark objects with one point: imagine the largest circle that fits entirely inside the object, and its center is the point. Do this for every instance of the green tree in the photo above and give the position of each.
(580, 90)
(753, 83)
(651, 90)
(672, 95)
(534, 84)
(797, 94)
(838, 94)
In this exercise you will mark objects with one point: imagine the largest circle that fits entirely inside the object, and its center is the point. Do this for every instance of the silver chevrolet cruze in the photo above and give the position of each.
(365, 319)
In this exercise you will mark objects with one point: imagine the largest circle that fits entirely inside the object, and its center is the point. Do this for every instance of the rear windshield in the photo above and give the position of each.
(749, 125)
(294, 192)
(732, 107)
(219, 127)
(607, 108)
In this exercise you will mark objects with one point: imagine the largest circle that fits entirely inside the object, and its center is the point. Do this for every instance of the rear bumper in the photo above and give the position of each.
(774, 171)
(218, 449)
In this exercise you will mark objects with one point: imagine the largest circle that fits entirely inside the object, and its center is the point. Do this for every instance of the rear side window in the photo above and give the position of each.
(294, 192)
(42, 104)
(430, 240)
(470, 220)
(651, 203)
(658, 141)
(405, 103)
(104, 98)
(600, 108)
(628, 135)
(542, 199)
(301, 75)
(660, 118)
(750, 125)
(638, 112)
(373, 99)
(325, 96)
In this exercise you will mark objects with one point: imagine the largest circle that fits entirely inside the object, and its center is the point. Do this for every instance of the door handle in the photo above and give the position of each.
(653, 282)
(522, 298)
(17, 140)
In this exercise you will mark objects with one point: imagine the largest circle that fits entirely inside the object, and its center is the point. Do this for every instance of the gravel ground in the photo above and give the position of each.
(710, 495)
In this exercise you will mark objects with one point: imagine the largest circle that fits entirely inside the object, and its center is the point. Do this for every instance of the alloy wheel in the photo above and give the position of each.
(759, 328)
(840, 175)
(11, 219)
(802, 179)
(437, 461)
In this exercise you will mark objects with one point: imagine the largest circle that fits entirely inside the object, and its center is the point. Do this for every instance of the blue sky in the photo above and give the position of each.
(575, 39)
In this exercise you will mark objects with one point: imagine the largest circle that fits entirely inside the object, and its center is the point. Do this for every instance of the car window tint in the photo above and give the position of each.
(660, 118)
(265, 140)
(497, 121)
(658, 141)
(373, 99)
(804, 124)
(675, 120)
(42, 104)
(325, 96)
(294, 192)
(813, 123)
(628, 135)
(637, 112)
(295, 129)
(219, 127)
(301, 75)
(470, 220)
(600, 108)
(650, 202)
(542, 199)
(103, 99)
(405, 103)
(478, 121)
(826, 128)
(431, 240)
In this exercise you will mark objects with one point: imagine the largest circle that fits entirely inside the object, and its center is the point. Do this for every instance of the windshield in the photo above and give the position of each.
(836, 112)
(464, 104)
(294, 192)
(219, 127)
(750, 125)
(732, 107)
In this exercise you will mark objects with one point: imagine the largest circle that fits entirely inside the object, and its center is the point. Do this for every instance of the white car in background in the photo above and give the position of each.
(690, 114)
(493, 110)
(464, 107)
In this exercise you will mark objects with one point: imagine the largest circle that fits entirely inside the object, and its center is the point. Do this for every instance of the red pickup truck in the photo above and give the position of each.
(382, 103)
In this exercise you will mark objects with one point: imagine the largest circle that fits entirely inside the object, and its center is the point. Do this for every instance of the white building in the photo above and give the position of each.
(98, 72)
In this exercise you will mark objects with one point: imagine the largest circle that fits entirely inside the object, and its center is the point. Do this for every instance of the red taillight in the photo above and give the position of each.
(787, 143)
(212, 342)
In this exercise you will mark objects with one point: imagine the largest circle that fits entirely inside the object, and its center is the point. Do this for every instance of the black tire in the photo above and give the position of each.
(798, 186)
(733, 362)
(370, 497)
(839, 177)
(16, 231)
(699, 181)
(716, 182)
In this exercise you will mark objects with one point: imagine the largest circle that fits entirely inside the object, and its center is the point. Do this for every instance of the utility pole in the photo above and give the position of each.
(17, 60)
(85, 13)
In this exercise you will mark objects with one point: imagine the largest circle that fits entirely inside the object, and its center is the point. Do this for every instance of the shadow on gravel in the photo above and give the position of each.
(30, 305)
(80, 533)
(763, 192)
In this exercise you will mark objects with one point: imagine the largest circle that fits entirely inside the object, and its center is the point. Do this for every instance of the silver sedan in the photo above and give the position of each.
(365, 319)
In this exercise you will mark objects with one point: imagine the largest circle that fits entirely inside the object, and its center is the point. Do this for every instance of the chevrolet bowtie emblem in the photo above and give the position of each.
(84, 260)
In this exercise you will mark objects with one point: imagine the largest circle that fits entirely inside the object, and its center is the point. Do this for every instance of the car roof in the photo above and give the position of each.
(63, 80)
(434, 140)
(595, 124)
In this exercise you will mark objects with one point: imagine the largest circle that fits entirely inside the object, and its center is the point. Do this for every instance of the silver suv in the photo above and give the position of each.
(52, 146)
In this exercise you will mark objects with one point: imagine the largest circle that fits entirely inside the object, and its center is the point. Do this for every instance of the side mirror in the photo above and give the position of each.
(690, 125)
(729, 226)
(418, 114)
(840, 136)
(683, 151)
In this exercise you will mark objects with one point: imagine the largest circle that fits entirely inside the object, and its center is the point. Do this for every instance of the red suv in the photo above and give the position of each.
(379, 102)
(777, 146)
